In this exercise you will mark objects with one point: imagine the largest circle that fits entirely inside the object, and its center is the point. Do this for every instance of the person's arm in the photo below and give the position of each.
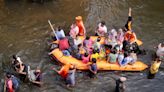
(108, 58)
(91, 70)
(130, 12)
(159, 46)
(55, 70)
(37, 82)
(63, 34)
(135, 38)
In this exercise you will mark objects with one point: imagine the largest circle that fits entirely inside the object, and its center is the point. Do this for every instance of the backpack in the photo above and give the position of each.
(15, 82)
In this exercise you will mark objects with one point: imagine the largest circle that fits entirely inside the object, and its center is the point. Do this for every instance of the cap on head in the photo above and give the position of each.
(122, 79)
(78, 18)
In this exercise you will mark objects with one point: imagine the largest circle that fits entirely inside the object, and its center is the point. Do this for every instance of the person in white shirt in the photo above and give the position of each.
(101, 29)
(160, 51)
(77, 41)
(59, 33)
(74, 30)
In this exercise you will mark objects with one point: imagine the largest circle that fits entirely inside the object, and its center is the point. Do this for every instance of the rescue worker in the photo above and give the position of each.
(154, 68)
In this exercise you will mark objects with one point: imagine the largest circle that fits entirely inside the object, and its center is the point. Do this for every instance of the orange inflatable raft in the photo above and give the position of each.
(101, 64)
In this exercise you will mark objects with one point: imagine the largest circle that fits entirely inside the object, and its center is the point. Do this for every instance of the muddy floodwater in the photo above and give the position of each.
(24, 31)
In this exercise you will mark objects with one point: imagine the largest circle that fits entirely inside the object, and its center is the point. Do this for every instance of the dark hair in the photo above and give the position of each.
(59, 28)
(86, 54)
(17, 66)
(8, 75)
(113, 51)
(126, 54)
(87, 38)
(98, 39)
(94, 51)
(102, 23)
(14, 57)
(79, 45)
(94, 60)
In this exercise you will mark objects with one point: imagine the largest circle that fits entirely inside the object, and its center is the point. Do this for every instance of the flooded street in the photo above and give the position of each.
(24, 31)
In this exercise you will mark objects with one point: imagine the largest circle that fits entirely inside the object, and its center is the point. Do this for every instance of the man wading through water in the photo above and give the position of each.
(120, 86)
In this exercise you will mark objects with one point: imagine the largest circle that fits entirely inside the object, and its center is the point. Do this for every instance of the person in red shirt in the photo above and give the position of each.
(80, 24)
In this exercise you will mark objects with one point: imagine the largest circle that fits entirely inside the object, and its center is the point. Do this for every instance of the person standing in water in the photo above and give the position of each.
(93, 68)
(160, 51)
(120, 85)
(80, 24)
(154, 68)
(70, 80)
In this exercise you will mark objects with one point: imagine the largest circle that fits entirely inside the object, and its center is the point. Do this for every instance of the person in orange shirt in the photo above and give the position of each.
(63, 72)
(80, 24)
(130, 36)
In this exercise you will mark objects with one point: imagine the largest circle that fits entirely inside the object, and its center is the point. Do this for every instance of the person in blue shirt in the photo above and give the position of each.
(93, 68)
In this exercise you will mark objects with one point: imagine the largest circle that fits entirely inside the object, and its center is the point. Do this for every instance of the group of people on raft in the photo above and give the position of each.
(25, 74)
(120, 46)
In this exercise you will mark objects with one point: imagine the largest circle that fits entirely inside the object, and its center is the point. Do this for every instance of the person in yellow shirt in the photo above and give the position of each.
(94, 55)
(154, 68)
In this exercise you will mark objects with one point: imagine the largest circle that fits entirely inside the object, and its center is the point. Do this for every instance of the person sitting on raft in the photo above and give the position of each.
(120, 38)
(102, 54)
(127, 60)
(93, 68)
(112, 57)
(64, 46)
(59, 33)
(74, 31)
(80, 24)
(160, 51)
(154, 68)
(88, 42)
(120, 57)
(70, 80)
(81, 51)
(97, 45)
(113, 38)
(77, 41)
(95, 54)
(130, 37)
(11, 83)
(101, 29)
(85, 58)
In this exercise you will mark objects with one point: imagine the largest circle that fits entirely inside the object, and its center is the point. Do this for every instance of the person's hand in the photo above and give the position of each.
(130, 9)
